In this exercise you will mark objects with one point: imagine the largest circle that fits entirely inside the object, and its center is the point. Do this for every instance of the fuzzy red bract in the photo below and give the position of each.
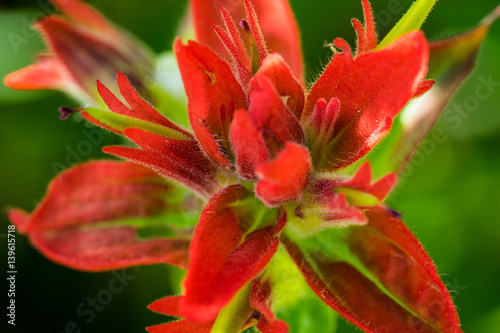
(68, 226)
(397, 260)
(372, 88)
(235, 256)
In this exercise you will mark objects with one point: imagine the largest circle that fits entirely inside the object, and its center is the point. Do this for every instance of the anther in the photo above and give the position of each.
(66, 111)
(245, 26)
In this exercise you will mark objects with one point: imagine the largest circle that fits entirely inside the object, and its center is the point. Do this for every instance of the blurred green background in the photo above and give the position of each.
(451, 199)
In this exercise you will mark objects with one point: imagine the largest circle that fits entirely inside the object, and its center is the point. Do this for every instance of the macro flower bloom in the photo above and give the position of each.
(266, 166)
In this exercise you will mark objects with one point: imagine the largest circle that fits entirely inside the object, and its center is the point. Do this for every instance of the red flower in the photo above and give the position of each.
(264, 159)
(82, 46)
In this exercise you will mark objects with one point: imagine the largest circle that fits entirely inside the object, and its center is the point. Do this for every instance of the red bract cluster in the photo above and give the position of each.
(266, 162)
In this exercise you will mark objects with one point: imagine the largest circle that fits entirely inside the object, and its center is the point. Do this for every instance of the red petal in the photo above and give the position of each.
(362, 181)
(222, 259)
(361, 36)
(389, 251)
(267, 110)
(181, 326)
(114, 103)
(423, 87)
(333, 208)
(268, 323)
(276, 21)
(47, 73)
(140, 108)
(170, 306)
(181, 160)
(372, 89)
(213, 95)
(284, 178)
(248, 145)
(167, 305)
(65, 225)
(276, 69)
(232, 41)
(108, 248)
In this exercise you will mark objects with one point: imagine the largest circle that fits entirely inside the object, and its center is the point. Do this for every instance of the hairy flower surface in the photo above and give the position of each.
(265, 163)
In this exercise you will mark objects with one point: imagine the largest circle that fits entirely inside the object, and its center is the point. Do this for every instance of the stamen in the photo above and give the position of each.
(66, 111)
(245, 26)
(394, 213)
(299, 213)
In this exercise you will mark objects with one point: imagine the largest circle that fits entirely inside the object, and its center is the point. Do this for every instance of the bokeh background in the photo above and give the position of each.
(451, 199)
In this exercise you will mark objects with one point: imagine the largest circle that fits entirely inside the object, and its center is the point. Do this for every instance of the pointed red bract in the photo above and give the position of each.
(372, 89)
(222, 258)
(139, 108)
(180, 160)
(66, 224)
(405, 293)
(362, 181)
(340, 202)
(170, 306)
(284, 178)
(232, 41)
(256, 31)
(367, 36)
(275, 19)
(213, 95)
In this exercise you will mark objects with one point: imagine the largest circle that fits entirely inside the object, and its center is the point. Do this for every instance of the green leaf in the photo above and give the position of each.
(293, 300)
(234, 315)
(412, 20)
(120, 123)
(450, 63)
